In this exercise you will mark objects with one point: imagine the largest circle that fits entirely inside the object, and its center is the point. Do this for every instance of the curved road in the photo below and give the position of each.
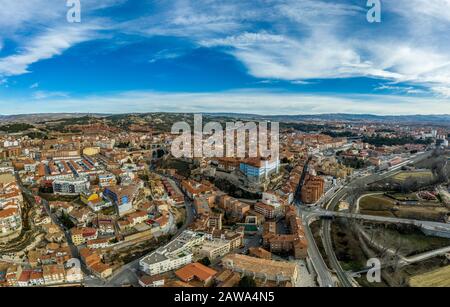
(344, 279)
(324, 276)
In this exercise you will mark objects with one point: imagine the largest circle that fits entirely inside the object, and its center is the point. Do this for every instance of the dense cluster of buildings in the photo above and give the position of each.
(110, 190)
(294, 242)
(48, 275)
(11, 202)
(49, 265)
(188, 247)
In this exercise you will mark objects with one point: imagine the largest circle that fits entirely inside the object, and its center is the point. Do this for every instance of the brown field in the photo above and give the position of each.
(403, 176)
(380, 205)
(376, 203)
(437, 278)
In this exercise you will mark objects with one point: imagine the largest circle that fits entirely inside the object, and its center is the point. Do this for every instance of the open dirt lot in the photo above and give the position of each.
(384, 206)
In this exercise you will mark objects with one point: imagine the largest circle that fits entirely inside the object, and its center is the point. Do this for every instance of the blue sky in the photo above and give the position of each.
(259, 56)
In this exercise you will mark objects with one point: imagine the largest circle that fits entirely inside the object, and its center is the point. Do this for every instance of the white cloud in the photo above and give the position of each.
(301, 82)
(400, 89)
(42, 95)
(201, 20)
(286, 58)
(14, 15)
(34, 14)
(316, 39)
(293, 40)
(245, 101)
(45, 46)
(418, 9)
(245, 40)
(442, 90)
(41, 31)
(167, 54)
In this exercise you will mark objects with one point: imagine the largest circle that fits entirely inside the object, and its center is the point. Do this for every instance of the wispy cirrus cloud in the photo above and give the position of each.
(306, 39)
(40, 30)
(42, 95)
(396, 89)
(167, 54)
(34, 85)
(196, 20)
(44, 46)
(299, 41)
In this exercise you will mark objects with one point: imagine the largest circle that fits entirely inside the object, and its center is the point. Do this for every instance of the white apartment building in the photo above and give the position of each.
(187, 246)
(174, 255)
(70, 186)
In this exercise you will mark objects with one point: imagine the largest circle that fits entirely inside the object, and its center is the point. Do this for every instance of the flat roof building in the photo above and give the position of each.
(266, 270)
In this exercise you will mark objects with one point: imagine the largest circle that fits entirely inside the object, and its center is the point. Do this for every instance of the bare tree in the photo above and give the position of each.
(409, 185)
(354, 194)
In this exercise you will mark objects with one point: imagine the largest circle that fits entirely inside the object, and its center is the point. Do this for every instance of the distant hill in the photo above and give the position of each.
(401, 119)
(35, 118)
(441, 119)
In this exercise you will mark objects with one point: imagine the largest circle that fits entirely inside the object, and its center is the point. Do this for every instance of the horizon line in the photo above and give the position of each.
(219, 113)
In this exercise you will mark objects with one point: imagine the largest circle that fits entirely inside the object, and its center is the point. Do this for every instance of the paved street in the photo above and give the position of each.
(325, 277)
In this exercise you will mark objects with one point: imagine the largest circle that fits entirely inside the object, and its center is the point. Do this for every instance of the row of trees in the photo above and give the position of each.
(381, 141)
(15, 128)
(339, 134)
(355, 163)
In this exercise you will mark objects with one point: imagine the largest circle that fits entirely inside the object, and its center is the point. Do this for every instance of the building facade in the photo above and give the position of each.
(70, 186)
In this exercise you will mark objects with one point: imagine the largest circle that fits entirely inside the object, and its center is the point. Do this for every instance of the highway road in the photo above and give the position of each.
(334, 262)
(344, 279)
(428, 255)
(309, 213)
(324, 275)
(422, 224)
(402, 260)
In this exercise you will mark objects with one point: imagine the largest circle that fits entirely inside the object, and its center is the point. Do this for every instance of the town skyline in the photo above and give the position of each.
(261, 114)
(223, 150)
